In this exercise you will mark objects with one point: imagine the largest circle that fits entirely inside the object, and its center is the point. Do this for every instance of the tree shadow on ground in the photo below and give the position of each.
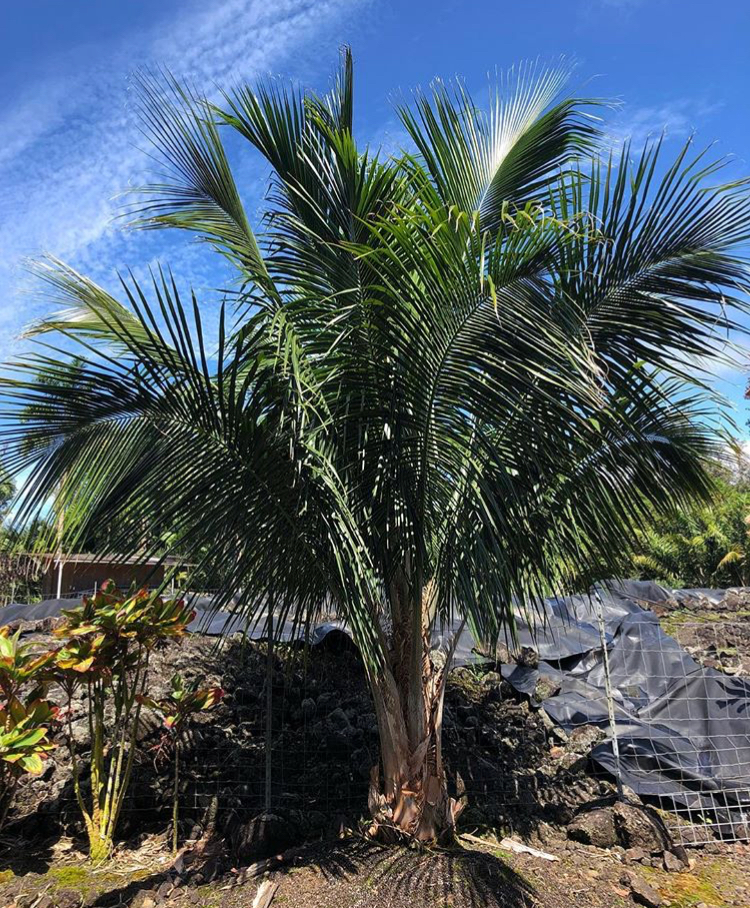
(22, 856)
(349, 869)
(397, 876)
(125, 895)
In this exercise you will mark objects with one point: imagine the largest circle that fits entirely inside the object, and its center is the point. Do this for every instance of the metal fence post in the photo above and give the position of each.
(269, 707)
(608, 694)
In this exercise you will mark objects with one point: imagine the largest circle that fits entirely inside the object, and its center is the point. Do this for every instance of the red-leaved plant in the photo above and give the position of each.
(108, 641)
(175, 710)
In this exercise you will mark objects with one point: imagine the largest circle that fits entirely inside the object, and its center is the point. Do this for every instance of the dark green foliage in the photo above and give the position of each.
(458, 368)
(703, 545)
(451, 379)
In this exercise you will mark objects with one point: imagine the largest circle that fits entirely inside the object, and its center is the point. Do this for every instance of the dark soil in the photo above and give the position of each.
(522, 777)
(716, 634)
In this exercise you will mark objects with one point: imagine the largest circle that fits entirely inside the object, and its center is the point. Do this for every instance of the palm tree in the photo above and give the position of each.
(701, 546)
(444, 382)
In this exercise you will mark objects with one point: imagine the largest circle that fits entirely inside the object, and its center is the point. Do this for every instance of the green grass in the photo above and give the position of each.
(688, 889)
(674, 621)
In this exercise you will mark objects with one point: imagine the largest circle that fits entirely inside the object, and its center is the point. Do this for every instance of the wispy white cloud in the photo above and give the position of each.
(72, 145)
(617, 10)
(677, 118)
(390, 139)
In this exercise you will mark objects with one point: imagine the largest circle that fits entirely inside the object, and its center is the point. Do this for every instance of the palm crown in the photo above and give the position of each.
(450, 380)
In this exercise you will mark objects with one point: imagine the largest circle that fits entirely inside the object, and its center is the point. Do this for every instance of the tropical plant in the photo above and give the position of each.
(7, 491)
(702, 545)
(24, 745)
(18, 572)
(25, 714)
(454, 379)
(108, 641)
(176, 710)
(20, 664)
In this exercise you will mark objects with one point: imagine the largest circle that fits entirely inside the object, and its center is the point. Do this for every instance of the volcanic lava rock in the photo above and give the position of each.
(266, 834)
(583, 738)
(638, 827)
(594, 827)
(308, 709)
(642, 892)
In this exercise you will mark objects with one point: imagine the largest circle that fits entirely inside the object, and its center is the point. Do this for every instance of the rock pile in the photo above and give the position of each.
(715, 631)
(519, 772)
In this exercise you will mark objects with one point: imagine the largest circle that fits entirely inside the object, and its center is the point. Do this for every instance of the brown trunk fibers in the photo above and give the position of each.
(408, 791)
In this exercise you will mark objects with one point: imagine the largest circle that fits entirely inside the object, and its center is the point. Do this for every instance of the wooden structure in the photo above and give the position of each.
(66, 575)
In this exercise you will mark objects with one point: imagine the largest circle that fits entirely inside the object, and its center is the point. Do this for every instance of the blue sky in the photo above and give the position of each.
(70, 144)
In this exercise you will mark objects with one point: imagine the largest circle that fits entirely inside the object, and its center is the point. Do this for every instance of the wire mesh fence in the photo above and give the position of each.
(695, 761)
(666, 709)
(528, 739)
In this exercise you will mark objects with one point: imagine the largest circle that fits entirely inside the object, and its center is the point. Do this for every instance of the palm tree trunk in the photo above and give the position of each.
(408, 790)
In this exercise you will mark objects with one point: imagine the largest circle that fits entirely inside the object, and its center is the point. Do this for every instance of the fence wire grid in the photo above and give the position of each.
(506, 750)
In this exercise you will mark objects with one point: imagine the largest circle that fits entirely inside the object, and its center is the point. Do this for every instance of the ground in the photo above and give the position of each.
(717, 634)
(352, 873)
(523, 778)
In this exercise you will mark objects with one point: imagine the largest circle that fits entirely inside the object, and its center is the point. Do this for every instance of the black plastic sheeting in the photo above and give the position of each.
(217, 623)
(683, 731)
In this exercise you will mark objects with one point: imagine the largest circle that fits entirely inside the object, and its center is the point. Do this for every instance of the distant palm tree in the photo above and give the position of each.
(704, 545)
(456, 378)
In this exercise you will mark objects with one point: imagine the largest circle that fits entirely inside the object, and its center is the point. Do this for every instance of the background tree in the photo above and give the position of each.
(7, 491)
(20, 574)
(701, 545)
(453, 379)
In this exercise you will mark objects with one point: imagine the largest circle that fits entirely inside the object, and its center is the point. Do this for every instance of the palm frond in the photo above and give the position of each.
(197, 191)
(459, 378)
(484, 161)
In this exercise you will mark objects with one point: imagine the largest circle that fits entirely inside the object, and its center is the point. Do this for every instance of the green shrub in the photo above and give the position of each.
(175, 711)
(25, 714)
(700, 546)
(108, 641)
